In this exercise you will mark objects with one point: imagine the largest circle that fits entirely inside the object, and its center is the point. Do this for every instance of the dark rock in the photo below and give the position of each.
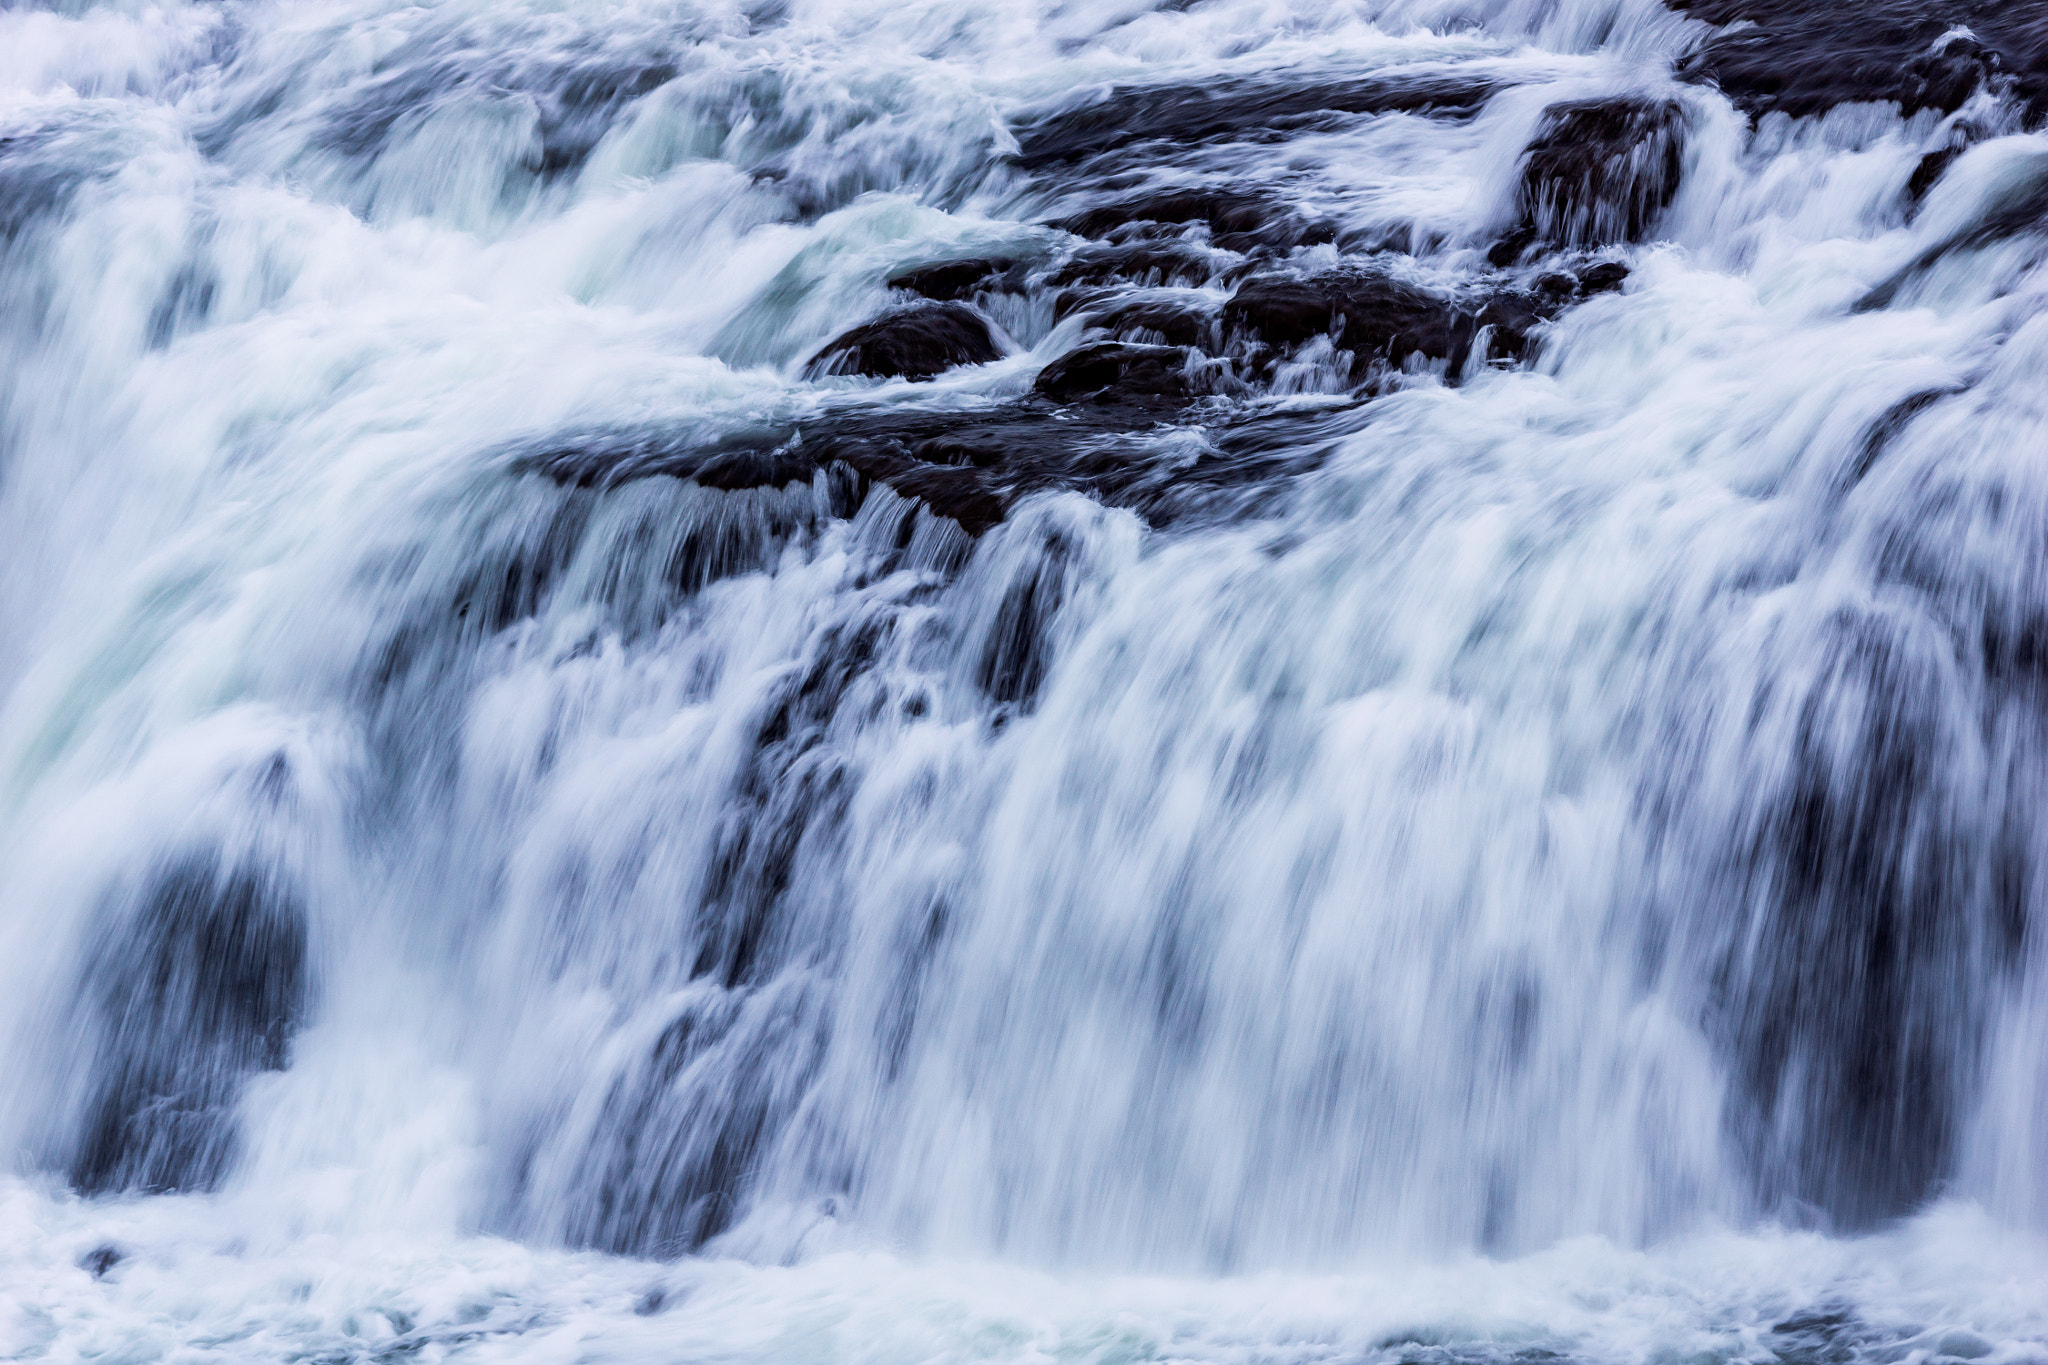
(1113, 369)
(673, 1155)
(101, 1259)
(1601, 171)
(1807, 56)
(1819, 1337)
(1142, 262)
(1604, 278)
(1237, 219)
(43, 169)
(1178, 322)
(1370, 312)
(1252, 109)
(754, 458)
(1068, 302)
(1935, 164)
(951, 280)
(1513, 247)
(1931, 169)
(585, 102)
(203, 985)
(915, 343)
(972, 466)
(1379, 318)
(1895, 919)
(577, 100)
(1506, 320)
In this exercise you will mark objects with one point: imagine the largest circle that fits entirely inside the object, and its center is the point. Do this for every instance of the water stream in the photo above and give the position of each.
(1392, 707)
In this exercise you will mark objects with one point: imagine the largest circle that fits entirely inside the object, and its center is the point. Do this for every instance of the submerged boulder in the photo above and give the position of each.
(912, 343)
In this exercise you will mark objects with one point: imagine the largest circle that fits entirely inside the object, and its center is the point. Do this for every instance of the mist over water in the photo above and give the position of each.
(822, 681)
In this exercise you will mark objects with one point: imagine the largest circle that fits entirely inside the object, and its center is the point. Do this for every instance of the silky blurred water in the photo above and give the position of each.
(1556, 873)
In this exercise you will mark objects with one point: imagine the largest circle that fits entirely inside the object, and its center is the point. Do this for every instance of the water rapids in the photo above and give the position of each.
(822, 682)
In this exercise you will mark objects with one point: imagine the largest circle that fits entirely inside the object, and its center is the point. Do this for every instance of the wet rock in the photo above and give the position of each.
(1934, 165)
(1931, 169)
(1807, 56)
(914, 343)
(1600, 171)
(1144, 263)
(1116, 370)
(1514, 246)
(1258, 109)
(1605, 278)
(1379, 318)
(1823, 1336)
(1129, 444)
(1177, 322)
(42, 170)
(101, 1259)
(1237, 219)
(1362, 311)
(203, 985)
(576, 101)
(673, 1155)
(750, 458)
(952, 281)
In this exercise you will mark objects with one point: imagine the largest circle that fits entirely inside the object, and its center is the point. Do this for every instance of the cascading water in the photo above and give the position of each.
(825, 681)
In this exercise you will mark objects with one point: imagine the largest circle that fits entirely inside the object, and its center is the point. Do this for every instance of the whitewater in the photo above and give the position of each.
(867, 682)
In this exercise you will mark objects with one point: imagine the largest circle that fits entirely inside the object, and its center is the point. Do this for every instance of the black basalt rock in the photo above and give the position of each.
(1254, 109)
(1363, 311)
(1237, 219)
(1144, 263)
(1379, 318)
(1175, 321)
(1805, 57)
(1605, 278)
(1114, 370)
(1117, 426)
(953, 281)
(912, 343)
(101, 1260)
(1600, 171)
(205, 985)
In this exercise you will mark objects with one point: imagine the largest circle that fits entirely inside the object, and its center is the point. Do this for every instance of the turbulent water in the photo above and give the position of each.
(838, 681)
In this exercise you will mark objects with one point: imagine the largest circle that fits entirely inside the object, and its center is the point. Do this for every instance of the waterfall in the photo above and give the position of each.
(1252, 679)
